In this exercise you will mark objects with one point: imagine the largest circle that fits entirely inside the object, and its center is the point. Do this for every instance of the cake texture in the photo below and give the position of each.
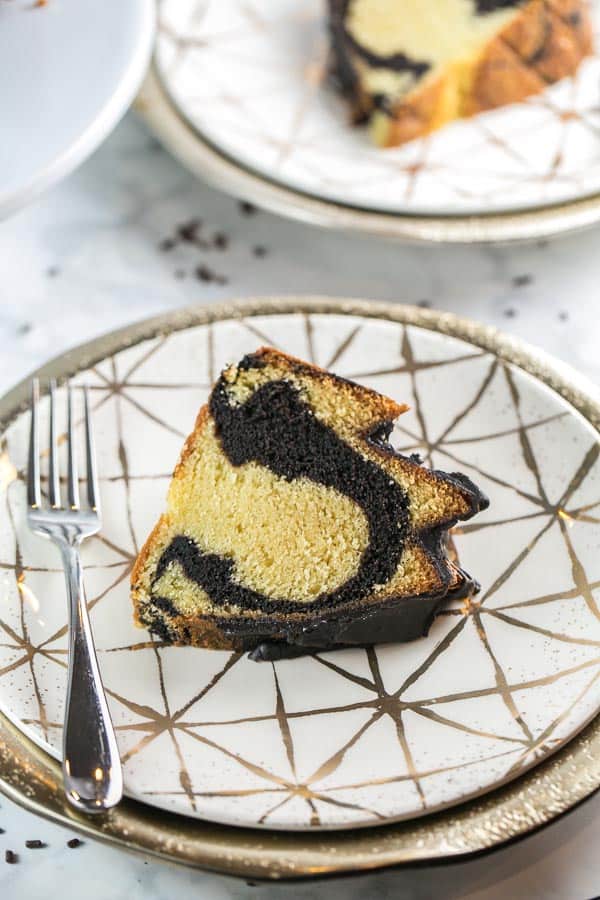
(411, 67)
(292, 525)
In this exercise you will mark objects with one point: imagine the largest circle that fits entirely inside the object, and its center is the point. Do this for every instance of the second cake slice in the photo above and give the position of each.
(411, 66)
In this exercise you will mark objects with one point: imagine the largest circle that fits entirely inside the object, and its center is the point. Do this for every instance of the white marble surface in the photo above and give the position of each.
(85, 259)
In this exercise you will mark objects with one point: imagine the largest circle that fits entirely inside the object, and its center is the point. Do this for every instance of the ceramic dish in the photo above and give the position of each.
(62, 93)
(396, 731)
(242, 98)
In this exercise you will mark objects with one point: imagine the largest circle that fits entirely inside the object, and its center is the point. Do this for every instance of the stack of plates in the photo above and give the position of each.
(239, 92)
(345, 760)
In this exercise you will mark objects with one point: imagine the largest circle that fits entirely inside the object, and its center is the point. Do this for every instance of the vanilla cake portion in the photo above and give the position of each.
(411, 66)
(292, 525)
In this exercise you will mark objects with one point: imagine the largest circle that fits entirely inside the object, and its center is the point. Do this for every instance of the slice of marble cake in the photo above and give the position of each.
(411, 66)
(292, 525)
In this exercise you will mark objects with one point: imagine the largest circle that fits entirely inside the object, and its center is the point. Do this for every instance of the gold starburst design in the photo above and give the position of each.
(356, 736)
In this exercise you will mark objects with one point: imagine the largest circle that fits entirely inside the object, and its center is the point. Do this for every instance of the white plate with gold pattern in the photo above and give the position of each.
(354, 737)
(252, 83)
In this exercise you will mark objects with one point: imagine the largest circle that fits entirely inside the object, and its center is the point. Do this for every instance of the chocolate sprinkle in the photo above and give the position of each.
(522, 280)
(34, 844)
(247, 209)
(205, 274)
(11, 857)
(189, 231)
(221, 241)
(74, 842)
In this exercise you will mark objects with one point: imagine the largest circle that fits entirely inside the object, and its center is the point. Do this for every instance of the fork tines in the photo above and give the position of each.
(34, 490)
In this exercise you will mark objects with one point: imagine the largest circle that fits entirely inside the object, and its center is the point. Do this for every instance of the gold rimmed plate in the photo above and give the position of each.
(404, 732)
(242, 97)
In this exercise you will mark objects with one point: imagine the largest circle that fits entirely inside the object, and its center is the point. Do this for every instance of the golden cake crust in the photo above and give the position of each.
(546, 41)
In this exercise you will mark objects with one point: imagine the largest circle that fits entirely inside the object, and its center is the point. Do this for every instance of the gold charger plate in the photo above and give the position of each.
(29, 776)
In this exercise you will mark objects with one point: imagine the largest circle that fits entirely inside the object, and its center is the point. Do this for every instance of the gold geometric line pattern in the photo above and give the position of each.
(501, 680)
(543, 740)
(373, 693)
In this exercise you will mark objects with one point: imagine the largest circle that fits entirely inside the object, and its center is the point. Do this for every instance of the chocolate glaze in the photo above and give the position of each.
(277, 429)
(399, 621)
(267, 640)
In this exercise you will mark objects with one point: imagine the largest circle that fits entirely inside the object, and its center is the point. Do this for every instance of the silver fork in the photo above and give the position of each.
(91, 765)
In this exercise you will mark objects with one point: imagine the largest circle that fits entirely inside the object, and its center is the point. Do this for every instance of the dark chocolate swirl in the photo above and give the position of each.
(488, 6)
(346, 43)
(343, 39)
(278, 430)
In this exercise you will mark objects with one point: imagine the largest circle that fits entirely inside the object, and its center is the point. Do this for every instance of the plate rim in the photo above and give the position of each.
(215, 167)
(32, 778)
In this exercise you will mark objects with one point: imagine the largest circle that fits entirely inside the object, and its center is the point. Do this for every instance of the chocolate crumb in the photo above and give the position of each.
(247, 209)
(167, 244)
(221, 241)
(189, 231)
(522, 280)
(259, 250)
(563, 315)
(10, 856)
(203, 273)
(510, 313)
(424, 304)
(74, 842)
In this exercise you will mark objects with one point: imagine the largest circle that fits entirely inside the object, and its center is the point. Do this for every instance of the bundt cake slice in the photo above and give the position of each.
(411, 66)
(292, 524)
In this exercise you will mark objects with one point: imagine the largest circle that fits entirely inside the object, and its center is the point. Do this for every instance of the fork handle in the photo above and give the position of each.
(91, 764)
